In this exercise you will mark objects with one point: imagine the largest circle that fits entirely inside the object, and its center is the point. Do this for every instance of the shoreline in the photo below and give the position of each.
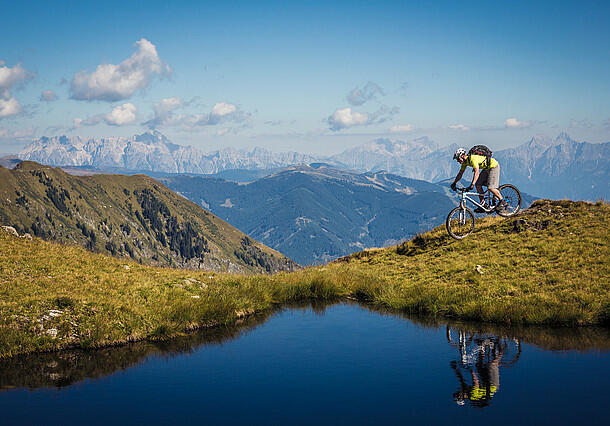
(523, 270)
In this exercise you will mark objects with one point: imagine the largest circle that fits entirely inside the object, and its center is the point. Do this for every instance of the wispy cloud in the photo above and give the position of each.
(48, 96)
(110, 82)
(403, 89)
(459, 127)
(402, 128)
(165, 114)
(359, 96)
(580, 123)
(16, 134)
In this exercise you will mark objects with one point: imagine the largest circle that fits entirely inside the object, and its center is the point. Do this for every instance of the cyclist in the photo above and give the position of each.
(484, 174)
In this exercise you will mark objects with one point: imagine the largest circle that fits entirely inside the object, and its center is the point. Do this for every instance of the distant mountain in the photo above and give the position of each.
(151, 151)
(559, 168)
(316, 214)
(552, 168)
(127, 216)
(417, 159)
(9, 161)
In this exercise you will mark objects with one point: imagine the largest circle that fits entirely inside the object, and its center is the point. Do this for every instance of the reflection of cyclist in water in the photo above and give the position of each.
(480, 358)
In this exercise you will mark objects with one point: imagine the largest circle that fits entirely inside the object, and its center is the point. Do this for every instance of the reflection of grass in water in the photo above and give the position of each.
(548, 266)
(64, 368)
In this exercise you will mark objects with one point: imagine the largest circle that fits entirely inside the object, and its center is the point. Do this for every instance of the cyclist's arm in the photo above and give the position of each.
(458, 177)
(475, 176)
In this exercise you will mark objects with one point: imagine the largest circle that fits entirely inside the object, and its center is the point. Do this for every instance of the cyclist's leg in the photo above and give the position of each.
(493, 182)
(482, 180)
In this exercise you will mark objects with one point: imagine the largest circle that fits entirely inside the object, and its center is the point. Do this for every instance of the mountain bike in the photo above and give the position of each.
(460, 221)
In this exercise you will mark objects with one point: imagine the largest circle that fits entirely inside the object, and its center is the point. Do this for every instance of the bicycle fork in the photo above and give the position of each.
(462, 215)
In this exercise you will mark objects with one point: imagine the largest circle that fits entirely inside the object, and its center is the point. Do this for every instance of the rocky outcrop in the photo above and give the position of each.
(12, 231)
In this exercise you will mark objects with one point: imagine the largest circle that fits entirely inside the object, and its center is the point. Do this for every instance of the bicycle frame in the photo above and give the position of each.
(486, 195)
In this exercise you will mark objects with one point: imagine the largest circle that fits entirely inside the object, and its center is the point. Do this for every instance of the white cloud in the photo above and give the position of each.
(360, 96)
(459, 127)
(346, 117)
(121, 115)
(222, 108)
(9, 107)
(402, 128)
(48, 96)
(9, 79)
(111, 82)
(513, 123)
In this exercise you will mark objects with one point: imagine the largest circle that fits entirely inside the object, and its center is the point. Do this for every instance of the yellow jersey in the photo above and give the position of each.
(478, 162)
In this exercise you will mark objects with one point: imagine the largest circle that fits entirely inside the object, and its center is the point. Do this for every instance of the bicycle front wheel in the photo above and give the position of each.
(460, 222)
(513, 198)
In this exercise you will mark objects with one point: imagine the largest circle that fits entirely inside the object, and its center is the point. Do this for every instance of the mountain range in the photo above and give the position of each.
(552, 168)
(151, 151)
(317, 213)
(132, 217)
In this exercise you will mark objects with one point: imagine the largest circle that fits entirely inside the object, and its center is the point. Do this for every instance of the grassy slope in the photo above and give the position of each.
(105, 206)
(548, 266)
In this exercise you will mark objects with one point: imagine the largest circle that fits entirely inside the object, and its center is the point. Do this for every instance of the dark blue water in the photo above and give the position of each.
(334, 364)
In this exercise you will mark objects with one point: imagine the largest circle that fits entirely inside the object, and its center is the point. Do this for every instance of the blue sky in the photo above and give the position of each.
(317, 77)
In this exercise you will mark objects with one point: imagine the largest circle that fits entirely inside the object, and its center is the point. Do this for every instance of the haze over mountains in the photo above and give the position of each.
(553, 168)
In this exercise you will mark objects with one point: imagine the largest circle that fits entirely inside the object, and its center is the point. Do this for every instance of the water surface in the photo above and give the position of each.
(325, 364)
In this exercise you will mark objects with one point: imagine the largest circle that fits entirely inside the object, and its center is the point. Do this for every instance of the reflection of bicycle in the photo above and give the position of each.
(481, 356)
(460, 221)
(472, 346)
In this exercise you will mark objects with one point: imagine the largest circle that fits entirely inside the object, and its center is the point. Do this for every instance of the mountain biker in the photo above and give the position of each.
(484, 174)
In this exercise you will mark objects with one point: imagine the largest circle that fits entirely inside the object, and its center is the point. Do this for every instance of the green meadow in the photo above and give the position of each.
(548, 265)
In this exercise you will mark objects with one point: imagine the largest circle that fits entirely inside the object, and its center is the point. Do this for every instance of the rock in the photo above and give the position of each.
(193, 281)
(55, 313)
(52, 332)
(26, 236)
(126, 267)
(11, 230)
(244, 313)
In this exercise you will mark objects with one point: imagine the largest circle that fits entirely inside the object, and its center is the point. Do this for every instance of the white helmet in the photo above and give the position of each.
(458, 153)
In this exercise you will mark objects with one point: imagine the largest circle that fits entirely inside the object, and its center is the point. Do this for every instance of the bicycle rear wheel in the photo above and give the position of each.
(513, 197)
(460, 222)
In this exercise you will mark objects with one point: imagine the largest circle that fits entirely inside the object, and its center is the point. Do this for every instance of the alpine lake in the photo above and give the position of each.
(340, 363)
